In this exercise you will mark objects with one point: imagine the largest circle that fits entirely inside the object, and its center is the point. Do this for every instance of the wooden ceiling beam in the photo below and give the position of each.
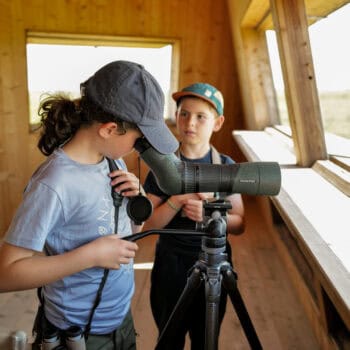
(258, 15)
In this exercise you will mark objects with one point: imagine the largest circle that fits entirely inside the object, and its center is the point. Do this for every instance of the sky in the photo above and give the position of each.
(329, 38)
(330, 50)
(63, 68)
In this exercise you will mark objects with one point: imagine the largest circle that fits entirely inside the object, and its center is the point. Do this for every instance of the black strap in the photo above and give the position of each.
(96, 302)
(117, 198)
(38, 325)
(117, 202)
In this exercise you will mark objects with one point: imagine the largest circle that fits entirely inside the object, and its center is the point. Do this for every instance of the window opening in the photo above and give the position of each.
(331, 56)
(277, 76)
(62, 67)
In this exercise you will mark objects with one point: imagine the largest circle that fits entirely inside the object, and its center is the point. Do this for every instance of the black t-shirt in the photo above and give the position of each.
(190, 243)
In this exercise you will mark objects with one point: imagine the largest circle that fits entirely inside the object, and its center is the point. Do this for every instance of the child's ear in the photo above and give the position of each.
(107, 129)
(218, 122)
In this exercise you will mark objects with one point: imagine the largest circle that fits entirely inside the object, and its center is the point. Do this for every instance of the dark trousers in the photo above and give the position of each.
(168, 279)
(124, 338)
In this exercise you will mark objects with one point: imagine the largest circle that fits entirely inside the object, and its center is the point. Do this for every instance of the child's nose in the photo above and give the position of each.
(191, 120)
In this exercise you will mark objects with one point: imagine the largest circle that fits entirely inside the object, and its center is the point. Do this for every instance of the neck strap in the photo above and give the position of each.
(117, 202)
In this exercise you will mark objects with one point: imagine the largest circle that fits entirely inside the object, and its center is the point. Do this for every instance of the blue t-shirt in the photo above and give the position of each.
(190, 243)
(67, 204)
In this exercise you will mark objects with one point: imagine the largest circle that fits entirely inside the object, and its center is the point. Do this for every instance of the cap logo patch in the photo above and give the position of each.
(207, 93)
(218, 95)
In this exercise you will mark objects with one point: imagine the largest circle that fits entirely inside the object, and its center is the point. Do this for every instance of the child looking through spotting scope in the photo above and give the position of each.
(68, 212)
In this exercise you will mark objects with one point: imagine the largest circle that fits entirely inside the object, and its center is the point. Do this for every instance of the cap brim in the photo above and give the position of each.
(177, 95)
(160, 137)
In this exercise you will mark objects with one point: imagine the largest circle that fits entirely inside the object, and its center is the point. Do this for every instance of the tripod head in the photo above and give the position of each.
(214, 217)
(214, 227)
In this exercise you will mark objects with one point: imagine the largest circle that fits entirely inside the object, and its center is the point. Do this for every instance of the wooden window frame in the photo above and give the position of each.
(33, 37)
(301, 150)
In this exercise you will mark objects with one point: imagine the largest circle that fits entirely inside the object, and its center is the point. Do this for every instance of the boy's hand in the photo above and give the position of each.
(205, 195)
(193, 207)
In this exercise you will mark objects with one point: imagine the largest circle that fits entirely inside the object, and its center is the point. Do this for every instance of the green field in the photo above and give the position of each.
(335, 110)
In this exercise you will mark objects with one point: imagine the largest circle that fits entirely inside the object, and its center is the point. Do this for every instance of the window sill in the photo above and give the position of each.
(314, 204)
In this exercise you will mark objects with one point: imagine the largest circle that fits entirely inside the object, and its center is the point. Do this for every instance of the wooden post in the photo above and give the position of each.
(291, 27)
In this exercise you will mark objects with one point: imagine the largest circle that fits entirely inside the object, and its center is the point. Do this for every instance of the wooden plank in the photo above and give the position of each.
(338, 176)
(260, 146)
(102, 40)
(280, 136)
(260, 81)
(259, 16)
(343, 162)
(320, 231)
(299, 80)
(318, 9)
(256, 13)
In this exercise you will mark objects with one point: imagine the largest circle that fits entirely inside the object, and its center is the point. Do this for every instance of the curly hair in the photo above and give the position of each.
(62, 117)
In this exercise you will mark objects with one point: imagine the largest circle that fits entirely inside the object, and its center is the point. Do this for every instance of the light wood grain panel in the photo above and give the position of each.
(260, 79)
(206, 55)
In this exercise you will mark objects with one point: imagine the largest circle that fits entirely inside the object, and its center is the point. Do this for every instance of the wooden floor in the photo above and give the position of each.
(263, 283)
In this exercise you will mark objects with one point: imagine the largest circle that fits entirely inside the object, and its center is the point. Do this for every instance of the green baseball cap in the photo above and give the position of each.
(204, 91)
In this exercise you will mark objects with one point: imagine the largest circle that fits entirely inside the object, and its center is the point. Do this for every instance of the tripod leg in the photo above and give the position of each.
(229, 282)
(169, 331)
(212, 297)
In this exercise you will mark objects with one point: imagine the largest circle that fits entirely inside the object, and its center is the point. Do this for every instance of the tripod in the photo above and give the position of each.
(214, 270)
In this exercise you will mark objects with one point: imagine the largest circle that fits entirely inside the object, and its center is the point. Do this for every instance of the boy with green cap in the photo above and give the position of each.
(199, 113)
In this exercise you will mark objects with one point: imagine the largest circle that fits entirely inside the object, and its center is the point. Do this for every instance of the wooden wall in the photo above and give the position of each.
(202, 27)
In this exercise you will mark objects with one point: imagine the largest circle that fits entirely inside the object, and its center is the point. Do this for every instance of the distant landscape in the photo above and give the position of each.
(335, 110)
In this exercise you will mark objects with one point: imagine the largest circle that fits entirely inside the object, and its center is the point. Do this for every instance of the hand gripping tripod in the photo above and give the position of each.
(214, 270)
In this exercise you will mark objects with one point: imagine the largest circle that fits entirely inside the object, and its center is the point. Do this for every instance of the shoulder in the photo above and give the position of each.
(51, 170)
(63, 175)
(224, 159)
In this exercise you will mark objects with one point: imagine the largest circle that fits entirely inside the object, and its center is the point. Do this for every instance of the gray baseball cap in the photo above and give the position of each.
(130, 93)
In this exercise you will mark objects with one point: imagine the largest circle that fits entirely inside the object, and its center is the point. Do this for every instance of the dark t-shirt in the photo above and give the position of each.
(190, 243)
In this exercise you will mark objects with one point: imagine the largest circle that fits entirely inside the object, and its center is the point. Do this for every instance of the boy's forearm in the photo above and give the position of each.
(163, 214)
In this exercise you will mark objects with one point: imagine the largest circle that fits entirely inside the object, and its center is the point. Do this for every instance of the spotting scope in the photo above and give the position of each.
(178, 177)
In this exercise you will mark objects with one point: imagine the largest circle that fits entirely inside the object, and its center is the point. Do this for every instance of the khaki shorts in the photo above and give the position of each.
(124, 338)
